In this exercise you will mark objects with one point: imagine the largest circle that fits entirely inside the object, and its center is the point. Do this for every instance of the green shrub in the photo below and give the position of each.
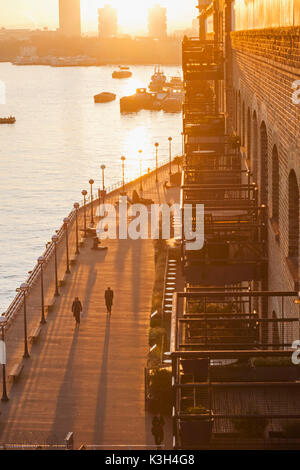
(292, 428)
(154, 357)
(283, 361)
(197, 410)
(156, 321)
(156, 335)
(250, 427)
(161, 389)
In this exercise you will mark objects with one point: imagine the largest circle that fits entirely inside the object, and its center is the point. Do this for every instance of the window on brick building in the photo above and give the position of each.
(254, 146)
(293, 217)
(249, 136)
(263, 164)
(243, 125)
(275, 184)
(239, 115)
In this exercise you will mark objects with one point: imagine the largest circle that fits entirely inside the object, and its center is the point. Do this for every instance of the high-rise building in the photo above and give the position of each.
(107, 21)
(157, 22)
(70, 17)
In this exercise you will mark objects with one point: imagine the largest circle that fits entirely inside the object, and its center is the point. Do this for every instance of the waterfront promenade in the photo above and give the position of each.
(89, 381)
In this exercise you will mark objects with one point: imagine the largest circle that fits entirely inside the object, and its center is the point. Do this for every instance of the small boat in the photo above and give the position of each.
(104, 97)
(134, 103)
(158, 80)
(123, 72)
(8, 120)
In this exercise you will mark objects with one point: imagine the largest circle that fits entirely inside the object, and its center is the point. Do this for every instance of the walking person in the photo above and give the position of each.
(158, 430)
(77, 309)
(109, 297)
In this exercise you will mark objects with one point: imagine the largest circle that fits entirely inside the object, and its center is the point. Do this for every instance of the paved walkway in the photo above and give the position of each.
(89, 381)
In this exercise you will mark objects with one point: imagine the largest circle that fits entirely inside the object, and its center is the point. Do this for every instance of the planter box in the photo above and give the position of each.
(232, 374)
(277, 373)
(196, 432)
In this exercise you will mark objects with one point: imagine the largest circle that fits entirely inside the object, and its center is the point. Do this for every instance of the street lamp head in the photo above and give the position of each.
(140, 151)
(170, 139)
(103, 167)
(91, 181)
(84, 192)
(156, 144)
(41, 260)
(54, 238)
(123, 159)
(76, 205)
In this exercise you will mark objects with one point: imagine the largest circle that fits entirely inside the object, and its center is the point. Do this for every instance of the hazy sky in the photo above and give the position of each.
(132, 13)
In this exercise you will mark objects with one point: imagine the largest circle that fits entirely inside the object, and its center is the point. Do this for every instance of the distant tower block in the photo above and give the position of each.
(107, 22)
(157, 22)
(70, 18)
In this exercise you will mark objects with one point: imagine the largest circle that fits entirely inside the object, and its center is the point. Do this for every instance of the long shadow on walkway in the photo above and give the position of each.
(64, 416)
(100, 411)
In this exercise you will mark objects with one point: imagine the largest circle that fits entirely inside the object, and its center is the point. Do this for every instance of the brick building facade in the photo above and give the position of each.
(262, 64)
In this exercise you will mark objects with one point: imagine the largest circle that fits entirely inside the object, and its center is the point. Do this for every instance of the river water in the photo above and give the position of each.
(58, 143)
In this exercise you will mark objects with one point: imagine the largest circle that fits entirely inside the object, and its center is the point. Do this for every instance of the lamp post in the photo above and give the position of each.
(156, 160)
(170, 156)
(24, 288)
(55, 240)
(66, 223)
(141, 184)
(103, 184)
(182, 143)
(123, 172)
(76, 207)
(3, 322)
(91, 182)
(41, 261)
(84, 193)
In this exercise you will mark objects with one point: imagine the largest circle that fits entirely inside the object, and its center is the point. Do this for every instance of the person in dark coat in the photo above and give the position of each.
(158, 429)
(77, 309)
(109, 296)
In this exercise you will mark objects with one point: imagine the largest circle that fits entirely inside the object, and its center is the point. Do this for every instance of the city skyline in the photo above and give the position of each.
(35, 15)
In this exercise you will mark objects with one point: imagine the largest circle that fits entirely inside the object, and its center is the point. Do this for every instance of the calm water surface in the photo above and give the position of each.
(58, 143)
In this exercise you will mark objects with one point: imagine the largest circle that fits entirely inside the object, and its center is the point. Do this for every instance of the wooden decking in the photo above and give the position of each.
(89, 380)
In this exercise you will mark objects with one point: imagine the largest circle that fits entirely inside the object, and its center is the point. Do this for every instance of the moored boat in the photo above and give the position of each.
(104, 97)
(140, 100)
(122, 72)
(158, 80)
(8, 120)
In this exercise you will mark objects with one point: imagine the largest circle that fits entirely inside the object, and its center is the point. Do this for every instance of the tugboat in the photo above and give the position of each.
(123, 72)
(104, 97)
(158, 80)
(8, 120)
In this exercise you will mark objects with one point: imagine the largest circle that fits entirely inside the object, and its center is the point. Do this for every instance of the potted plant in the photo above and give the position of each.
(196, 427)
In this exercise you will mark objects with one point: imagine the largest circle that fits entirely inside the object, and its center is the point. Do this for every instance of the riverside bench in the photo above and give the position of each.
(50, 306)
(62, 282)
(16, 372)
(34, 336)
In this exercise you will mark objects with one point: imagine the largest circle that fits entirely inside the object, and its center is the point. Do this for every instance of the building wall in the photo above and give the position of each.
(257, 14)
(70, 17)
(265, 63)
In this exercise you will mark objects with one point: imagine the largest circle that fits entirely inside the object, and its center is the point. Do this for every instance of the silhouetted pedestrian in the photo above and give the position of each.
(158, 429)
(77, 309)
(109, 297)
